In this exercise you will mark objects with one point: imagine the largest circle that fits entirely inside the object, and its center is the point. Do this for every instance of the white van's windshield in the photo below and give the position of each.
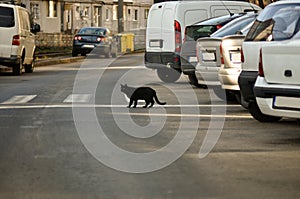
(7, 17)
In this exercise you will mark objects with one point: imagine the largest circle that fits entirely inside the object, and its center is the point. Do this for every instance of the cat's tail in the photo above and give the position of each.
(156, 99)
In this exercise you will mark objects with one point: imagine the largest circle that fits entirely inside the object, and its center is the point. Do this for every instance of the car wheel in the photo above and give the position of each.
(74, 54)
(168, 75)
(29, 67)
(224, 94)
(258, 115)
(83, 54)
(17, 68)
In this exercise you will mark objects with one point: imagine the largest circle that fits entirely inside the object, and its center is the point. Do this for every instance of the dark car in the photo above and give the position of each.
(192, 33)
(98, 40)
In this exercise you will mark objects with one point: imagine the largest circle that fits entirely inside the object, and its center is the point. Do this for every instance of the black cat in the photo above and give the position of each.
(141, 93)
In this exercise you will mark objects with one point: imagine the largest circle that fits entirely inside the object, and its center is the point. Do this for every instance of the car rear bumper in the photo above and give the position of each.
(188, 68)
(208, 75)
(229, 78)
(97, 49)
(9, 62)
(155, 60)
(246, 82)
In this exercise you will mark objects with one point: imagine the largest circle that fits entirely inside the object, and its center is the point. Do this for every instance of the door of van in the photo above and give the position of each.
(160, 28)
(7, 29)
(27, 37)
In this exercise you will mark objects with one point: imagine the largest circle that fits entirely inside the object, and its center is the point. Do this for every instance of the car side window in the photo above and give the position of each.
(7, 17)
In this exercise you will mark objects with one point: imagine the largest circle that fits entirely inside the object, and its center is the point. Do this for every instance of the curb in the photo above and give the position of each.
(57, 60)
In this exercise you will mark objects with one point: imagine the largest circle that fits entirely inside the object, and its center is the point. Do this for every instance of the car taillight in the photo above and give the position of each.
(242, 56)
(260, 65)
(16, 40)
(177, 28)
(218, 27)
(99, 39)
(78, 38)
(221, 54)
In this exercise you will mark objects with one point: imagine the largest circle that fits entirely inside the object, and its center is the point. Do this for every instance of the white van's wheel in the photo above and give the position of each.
(17, 69)
(168, 75)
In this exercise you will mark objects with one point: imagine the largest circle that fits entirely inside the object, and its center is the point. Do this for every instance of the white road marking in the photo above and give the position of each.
(19, 99)
(78, 98)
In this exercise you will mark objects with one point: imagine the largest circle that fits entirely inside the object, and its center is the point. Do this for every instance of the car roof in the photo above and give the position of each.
(217, 20)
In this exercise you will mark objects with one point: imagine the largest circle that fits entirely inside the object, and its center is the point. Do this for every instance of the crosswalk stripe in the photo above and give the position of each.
(19, 99)
(78, 98)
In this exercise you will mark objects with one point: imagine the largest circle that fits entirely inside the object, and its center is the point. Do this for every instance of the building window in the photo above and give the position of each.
(115, 12)
(52, 8)
(146, 13)
(35, 10)
(135, 15)
(107, 14)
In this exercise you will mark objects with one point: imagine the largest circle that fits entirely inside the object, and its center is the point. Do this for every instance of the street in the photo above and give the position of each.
(66, 133)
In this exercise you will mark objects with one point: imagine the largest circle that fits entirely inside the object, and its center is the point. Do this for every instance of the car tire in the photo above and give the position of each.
(29, 67)
(224, 94)
(18, 68)
(74, 54)
(258, 115)
(168, 75)
(83, 54)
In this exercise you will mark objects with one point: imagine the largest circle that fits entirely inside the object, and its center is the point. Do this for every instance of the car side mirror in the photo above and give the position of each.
(35, 28)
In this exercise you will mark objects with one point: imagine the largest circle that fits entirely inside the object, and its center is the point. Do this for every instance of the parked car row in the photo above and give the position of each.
(251, 57)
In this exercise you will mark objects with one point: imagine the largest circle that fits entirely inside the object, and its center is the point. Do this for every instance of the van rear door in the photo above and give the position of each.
(160, 28)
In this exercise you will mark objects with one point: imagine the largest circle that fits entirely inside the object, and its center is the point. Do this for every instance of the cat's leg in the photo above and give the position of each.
(135, 103)
(130, 103)
(151, 103)
(147, 103)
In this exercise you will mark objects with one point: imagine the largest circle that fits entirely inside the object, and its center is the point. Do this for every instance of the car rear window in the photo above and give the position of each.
(234, 26)
(92, 31)
(7, 17)
(207, 27)
(276, 23)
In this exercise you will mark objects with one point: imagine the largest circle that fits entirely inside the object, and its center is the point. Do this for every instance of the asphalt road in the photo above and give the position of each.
(66, 133)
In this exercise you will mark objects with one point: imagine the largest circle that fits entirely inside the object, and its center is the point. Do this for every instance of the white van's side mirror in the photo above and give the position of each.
(35, 28)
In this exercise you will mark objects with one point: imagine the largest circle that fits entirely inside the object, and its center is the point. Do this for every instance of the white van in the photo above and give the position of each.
(17, 40)
(165, 30)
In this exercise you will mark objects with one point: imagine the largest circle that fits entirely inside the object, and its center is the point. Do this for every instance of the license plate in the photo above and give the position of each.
(193, 59)
(286, 102)
(88, 46)
(156, 43)
(235, 56)
(208, 56)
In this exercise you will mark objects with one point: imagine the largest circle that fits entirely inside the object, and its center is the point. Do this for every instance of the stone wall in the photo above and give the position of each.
(53, 40)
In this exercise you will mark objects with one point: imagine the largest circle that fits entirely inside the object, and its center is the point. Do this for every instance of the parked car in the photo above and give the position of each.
(230, 52)
(165, 31)
(98, 40)
(279, 21)
(192, 33)
(209, 57)
(17, 40)
(277, 87)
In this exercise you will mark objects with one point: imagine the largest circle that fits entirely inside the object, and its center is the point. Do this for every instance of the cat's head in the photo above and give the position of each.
(124, 87)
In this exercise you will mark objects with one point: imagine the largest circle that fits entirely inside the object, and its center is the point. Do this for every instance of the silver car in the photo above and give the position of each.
(208, 53)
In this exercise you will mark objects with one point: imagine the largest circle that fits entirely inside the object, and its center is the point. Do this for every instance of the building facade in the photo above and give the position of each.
(67, 16)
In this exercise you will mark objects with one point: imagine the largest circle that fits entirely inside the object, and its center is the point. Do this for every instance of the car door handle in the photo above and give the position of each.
(288, 73)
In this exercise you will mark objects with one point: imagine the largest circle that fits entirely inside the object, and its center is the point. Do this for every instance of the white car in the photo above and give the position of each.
(17, 41)
(277, 23)
(277, 87)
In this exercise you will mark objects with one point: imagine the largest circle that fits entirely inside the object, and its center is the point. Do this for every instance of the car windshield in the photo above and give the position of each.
(6, 17)
(92, 31)
(207, 27)
(275, 23)
(234, 26)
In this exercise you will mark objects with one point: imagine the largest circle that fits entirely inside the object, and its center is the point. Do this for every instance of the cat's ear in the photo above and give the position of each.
(126, 85)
